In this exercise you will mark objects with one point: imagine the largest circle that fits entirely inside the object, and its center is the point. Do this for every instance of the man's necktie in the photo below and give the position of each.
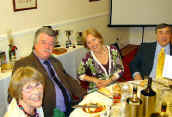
(160, 64)
(53, 76)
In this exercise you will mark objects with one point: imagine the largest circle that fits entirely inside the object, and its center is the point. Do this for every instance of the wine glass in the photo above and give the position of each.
(126, 91)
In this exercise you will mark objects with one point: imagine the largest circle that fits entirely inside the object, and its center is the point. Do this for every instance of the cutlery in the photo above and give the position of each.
(92, 90)
(105, 94)
(86, 106)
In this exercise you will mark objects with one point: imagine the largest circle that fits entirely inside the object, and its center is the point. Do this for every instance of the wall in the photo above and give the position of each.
(24, 39)
(74, 15)
(135, 35)
(48, 12)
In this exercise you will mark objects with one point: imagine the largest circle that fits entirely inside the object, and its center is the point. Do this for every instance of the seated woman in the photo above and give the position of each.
(102, 65)
(26, 89)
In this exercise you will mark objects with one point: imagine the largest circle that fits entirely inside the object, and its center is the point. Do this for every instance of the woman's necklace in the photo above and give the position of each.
(29, 115)
(102, 55)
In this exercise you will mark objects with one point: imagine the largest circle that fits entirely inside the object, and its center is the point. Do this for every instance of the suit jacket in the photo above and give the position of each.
(144, 59)
(49, 100)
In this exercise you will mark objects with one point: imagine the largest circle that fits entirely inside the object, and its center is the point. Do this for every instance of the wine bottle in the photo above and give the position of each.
(133, 106)
(163, 109)
(134, 99)
(148, 97)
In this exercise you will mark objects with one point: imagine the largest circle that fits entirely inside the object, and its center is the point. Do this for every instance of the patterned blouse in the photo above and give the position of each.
(91, 66)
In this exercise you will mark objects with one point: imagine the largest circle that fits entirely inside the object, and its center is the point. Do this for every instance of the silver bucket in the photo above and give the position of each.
(149, 103)
(133, 110)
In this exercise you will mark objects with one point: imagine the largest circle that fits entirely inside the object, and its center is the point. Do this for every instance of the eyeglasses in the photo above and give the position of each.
(31, 86)
(47, 43)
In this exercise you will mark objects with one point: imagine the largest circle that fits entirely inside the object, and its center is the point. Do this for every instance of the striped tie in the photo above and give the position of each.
(160, 64)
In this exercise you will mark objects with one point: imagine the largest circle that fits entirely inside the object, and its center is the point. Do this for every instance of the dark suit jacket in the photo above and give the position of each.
(49, 100)
(143, 61)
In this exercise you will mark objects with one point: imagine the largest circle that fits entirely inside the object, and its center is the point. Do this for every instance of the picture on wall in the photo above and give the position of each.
(20, 5)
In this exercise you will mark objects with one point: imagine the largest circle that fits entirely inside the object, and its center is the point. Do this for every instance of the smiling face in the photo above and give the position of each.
(44, 46)
(32, 94)
(163, 36)
(93, 43)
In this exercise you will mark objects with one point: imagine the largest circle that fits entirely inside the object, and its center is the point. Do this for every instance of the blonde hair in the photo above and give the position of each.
(22, 76)
(93, 32)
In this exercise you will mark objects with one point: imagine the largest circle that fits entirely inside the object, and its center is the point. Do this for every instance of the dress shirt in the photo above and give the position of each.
(60, 103)
(158, 49)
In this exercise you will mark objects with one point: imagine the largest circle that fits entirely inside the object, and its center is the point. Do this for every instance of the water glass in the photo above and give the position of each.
(115, 111)
(126, 91)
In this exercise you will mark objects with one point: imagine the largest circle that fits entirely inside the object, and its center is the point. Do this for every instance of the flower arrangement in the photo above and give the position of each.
(12, 47)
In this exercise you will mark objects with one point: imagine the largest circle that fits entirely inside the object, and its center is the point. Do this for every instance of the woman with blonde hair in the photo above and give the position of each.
(26, 89)
(102, 65)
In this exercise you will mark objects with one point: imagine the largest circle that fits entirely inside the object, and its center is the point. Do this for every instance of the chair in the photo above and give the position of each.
(117, 47)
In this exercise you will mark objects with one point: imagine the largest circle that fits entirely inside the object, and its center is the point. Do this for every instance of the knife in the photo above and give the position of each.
(85, 106)
(105, 95)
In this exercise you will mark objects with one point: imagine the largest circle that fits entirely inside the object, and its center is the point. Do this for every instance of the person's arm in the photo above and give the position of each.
(135, 65)
(116, 58)
(99, 83)
(83, 76)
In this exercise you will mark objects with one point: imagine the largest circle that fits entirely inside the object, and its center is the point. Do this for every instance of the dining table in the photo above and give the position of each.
(118, 109)
(4, 83)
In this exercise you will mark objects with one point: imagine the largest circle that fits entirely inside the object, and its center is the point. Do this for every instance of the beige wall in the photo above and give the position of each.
(76, 15)
(135, 35)
(48, 12)
(24, 40)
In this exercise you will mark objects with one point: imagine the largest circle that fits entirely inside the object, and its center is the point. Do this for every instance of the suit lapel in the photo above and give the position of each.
(170, 49)
(40, 68)
(152, 53)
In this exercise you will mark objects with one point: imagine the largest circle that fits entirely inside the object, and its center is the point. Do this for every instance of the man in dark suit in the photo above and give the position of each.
(145, 61)
(58, 94)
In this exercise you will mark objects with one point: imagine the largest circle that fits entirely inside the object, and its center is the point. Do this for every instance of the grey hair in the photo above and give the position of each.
(163, 25)
(46, 30)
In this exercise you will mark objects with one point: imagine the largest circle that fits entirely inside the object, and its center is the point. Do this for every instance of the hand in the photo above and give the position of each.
(102, 83)
(138, 77)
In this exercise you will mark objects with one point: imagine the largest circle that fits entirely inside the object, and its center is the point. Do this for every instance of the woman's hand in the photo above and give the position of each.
(101, 83)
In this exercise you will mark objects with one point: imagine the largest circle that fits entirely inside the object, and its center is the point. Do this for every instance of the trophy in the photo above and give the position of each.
(68, 41)
(79, 38)
(56, 41)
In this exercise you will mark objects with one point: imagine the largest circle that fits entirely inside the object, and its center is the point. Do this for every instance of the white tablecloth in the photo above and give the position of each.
(4, 81)
(97, 97)
(70, 61)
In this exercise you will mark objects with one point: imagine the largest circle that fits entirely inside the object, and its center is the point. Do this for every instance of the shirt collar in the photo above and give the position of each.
(41, 60)
(167, 47)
